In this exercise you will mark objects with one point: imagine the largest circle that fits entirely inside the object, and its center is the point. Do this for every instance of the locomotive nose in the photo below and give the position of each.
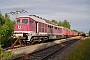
(21, 27)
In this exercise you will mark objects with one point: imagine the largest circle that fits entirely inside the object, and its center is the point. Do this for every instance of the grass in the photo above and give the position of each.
(5, 54)
(81, 51)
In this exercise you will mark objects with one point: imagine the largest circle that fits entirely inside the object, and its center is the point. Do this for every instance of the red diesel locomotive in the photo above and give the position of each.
(36, 29)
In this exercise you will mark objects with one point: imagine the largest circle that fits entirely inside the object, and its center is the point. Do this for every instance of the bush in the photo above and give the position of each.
(6, 28)
(5, 54)
(81, 51)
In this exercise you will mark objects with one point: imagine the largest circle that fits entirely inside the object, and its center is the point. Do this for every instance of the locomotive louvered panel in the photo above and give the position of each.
(39, 24)
(45, 30)
(42, 29)
(39, 29)
(60, 30)
(42, 24)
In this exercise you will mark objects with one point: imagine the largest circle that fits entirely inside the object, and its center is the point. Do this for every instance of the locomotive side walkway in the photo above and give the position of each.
(36, 47)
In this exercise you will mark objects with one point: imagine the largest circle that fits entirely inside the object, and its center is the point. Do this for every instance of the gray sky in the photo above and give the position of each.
(77, 12)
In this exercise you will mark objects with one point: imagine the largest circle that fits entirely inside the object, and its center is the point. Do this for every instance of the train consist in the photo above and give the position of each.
(33, 28)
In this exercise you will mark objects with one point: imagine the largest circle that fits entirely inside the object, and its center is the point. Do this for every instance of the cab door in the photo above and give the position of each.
(36, 27)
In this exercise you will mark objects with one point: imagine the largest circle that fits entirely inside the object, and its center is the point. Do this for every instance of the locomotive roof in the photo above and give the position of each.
(40, 19)
(37, 18)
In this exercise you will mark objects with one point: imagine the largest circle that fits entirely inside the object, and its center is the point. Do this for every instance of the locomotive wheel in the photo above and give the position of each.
(42, 40)
(32, 40)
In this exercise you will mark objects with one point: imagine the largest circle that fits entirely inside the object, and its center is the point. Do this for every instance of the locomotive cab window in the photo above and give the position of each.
(24, 21)
(31, 21)
(18, 21)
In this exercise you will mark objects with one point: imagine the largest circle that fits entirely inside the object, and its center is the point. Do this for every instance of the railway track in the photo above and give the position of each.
(44, 54)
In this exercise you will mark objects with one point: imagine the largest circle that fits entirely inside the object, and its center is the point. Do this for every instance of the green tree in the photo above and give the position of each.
(2, 20)
(60, 23)
(66, 24)
(54, 21)
(75, 30)
(6, 29)
(89, 33)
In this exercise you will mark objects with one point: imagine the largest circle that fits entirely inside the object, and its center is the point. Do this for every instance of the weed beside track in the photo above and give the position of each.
(81, 51)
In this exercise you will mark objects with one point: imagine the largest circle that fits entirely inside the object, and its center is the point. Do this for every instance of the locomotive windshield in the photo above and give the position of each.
(24, 21)
(18, 21)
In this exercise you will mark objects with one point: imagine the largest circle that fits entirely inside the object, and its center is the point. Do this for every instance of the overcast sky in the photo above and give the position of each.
(77, 12)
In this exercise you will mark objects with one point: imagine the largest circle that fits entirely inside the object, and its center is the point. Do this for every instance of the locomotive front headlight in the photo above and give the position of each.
(19, 27)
